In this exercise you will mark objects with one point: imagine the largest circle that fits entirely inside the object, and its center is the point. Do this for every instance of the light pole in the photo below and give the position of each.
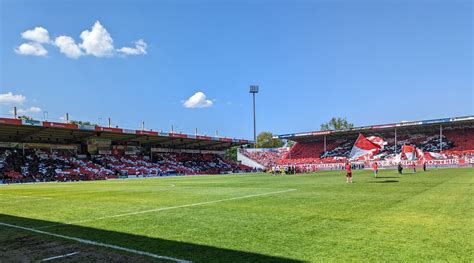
(254, 90)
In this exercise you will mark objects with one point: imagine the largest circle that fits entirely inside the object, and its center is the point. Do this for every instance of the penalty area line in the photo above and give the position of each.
(95, 243)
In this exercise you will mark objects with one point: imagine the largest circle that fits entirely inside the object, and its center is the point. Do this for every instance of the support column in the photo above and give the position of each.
(325, 147)
(395, 141)
(440, 138)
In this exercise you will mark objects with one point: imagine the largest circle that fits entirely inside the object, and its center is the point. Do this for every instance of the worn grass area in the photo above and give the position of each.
(413, 217)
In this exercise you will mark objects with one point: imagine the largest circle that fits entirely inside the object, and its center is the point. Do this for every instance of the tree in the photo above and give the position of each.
(336, 124)
(83, 123)
(290, 143)
(231, 153)
(266, 140)
(25, 118)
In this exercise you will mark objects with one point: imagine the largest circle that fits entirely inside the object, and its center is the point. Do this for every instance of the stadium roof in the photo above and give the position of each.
(33, 131)
(409, 127)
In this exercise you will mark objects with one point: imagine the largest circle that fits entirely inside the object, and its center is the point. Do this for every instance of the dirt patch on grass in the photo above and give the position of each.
(16, 246)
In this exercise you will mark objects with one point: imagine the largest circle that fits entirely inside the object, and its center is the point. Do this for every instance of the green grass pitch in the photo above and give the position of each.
(427, 216)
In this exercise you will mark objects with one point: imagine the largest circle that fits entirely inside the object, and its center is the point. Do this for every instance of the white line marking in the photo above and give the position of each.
(27, 196)
(58, 257)
(95, 243)
(169, 208)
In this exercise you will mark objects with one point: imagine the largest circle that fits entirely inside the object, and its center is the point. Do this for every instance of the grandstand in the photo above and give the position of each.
(442, 142)
(32, 151)
(261, 158)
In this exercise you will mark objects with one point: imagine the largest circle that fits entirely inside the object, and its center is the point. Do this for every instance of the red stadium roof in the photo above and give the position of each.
(16, 130)
(402, 127)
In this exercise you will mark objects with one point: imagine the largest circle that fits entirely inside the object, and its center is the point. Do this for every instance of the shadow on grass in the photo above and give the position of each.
(384, 181)
(169, 248)
(388, 177)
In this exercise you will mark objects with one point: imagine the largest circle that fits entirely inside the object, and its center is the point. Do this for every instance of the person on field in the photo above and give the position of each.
(375, 166)
(348, 173)
(414, 167)
(424, 166)
(400, 168)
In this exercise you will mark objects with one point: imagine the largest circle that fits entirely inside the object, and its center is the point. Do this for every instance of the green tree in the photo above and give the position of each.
(266, 140)
(26, 118)
(336, 124)
(290, 143)
(231, 153)
(83, 123)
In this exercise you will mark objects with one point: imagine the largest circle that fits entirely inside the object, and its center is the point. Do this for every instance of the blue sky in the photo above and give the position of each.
(370, 61)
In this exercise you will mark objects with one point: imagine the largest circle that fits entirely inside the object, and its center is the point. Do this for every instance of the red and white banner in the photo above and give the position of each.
(443, 163)
(408, 152)
(366, 147)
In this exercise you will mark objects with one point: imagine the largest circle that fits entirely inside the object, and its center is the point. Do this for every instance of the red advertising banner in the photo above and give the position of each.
(178, 135)
(117, 130)
(60, 125)
(152, 133)
(10, 121)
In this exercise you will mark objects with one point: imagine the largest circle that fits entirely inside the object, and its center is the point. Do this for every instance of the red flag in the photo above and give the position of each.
(409, 152)
(363, 146)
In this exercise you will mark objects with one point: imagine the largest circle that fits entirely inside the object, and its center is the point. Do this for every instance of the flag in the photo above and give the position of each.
(437, 155)
(419, 153)
(409, 152)
(377, 140)
(366, 147)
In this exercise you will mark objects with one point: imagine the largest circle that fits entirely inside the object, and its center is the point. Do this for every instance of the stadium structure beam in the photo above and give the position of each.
(33, 133)
(199, 143)
(131, 138)
(193, 144)
(158, 143)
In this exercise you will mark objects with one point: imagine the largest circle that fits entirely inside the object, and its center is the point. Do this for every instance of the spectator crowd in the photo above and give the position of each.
(34, 165)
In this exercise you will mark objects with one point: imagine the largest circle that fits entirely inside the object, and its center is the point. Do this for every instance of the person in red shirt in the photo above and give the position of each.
(348, 173)
(375, 166)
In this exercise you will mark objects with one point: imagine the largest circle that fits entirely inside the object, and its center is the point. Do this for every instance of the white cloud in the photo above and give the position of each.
(68, 47)
(140, 48)
(30, 110)
(97, 42)
(11, 99)
(31, 49)
(198, 100)
(38, 34)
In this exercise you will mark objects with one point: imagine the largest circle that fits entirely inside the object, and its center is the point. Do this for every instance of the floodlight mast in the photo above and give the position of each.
(254, 90)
